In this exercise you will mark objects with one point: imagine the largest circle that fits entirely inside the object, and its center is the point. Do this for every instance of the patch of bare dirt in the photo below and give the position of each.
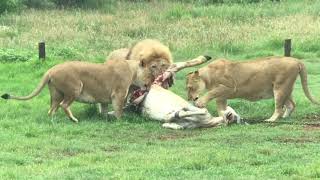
(167, 137)
(295, 140)
(312, 117)
(312, 127)
(68, 152)
(111, 149)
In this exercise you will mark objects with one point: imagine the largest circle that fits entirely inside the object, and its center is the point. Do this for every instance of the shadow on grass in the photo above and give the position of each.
(310, 120)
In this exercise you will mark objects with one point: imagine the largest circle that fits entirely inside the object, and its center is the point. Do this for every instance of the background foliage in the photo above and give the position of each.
(35, 146)
(14, 5)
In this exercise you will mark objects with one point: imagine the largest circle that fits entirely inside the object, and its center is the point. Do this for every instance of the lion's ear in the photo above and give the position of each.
(143, 63)
(196, 73)
(128, 56)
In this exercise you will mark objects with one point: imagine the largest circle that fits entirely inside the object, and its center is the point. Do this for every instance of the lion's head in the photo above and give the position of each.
(156, 56)
(194, 85)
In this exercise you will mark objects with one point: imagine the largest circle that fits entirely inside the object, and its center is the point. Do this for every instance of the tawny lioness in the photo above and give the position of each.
(252, 80)
(91, 83)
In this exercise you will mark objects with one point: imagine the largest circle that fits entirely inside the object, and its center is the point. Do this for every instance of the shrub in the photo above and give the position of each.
(224, 1)
(39, 3)
(13, 5)
(90, 4)
(10, 5)
(13, 55)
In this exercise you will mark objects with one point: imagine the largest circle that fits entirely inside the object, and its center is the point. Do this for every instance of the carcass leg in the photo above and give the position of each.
(200, 118)
(184, 113)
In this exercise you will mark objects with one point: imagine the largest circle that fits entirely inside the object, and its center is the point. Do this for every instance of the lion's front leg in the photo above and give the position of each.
(103, 109)
(220, 91)
(118, 101)
(221, 105)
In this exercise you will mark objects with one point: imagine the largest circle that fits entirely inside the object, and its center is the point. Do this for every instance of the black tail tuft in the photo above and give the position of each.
(5, 96)
(208, 57)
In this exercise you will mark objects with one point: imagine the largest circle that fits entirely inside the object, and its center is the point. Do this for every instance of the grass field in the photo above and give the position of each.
(36, 146)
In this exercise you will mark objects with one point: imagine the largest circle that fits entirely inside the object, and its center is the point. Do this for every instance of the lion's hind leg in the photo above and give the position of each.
(69, 95)
(65, 104)
(289, 107)
(279, 103)
(282, 93)
(56, 99)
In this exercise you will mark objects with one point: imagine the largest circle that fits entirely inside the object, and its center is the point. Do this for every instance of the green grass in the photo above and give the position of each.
(36, 146)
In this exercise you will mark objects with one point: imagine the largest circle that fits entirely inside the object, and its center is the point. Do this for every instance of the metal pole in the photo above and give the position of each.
(42, 50)
(287, 47)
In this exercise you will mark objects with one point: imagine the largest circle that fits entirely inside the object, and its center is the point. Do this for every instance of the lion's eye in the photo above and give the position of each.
(154, 66)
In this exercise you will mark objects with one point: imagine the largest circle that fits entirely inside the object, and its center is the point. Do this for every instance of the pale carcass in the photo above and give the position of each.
(175, 112)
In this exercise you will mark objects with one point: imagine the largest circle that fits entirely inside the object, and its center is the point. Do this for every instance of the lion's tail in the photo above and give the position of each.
(43, 82)
(304, 83)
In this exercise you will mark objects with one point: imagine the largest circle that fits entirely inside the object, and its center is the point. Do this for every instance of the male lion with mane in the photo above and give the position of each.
(156, 56)
(253, 80)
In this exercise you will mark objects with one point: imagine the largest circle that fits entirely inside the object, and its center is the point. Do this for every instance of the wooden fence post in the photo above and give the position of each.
(287, 47)
(42, 50)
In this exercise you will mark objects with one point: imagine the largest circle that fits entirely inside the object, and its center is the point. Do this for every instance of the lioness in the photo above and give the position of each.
(253, 80)
(90, 83)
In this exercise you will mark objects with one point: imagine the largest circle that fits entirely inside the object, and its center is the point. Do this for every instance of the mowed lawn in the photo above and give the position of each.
(36, 146)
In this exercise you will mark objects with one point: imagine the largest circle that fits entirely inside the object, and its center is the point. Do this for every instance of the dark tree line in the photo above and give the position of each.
(17, 5)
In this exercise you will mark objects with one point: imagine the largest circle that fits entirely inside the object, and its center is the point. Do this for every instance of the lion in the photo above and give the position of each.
(156, 56)
(91, 83)
(253, 80)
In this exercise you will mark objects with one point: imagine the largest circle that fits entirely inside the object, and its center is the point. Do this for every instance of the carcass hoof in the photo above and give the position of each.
(208, 57)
